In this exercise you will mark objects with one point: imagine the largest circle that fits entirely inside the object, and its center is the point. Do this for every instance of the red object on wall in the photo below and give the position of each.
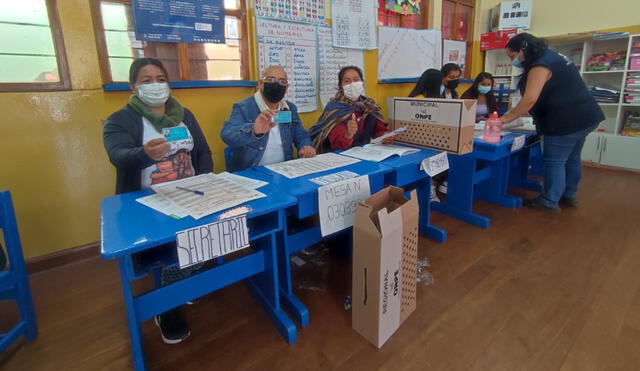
(496, 40)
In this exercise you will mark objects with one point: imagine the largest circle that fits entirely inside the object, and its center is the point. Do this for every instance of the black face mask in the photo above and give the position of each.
(453, 84)
(273, 92)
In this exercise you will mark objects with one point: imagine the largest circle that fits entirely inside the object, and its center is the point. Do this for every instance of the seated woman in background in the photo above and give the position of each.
(482, 91)
(134, 138)
(429, 85)
(451, 73)
(349, 119)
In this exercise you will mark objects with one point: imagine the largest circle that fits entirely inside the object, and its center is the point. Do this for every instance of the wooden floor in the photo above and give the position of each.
(533, 292)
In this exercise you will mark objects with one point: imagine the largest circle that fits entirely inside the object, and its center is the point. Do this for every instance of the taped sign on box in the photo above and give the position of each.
(337, 203)
(205, 242)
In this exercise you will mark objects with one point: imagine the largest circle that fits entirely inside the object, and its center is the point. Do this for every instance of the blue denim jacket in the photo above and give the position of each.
(247, 148)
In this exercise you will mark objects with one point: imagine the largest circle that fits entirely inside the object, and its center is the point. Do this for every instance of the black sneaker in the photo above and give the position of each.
(570, 202)
(173, 326)
(535, 204)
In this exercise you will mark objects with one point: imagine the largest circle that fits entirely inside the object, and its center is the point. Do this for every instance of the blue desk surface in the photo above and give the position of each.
(493, 151)
(302, 185)
(128, 227)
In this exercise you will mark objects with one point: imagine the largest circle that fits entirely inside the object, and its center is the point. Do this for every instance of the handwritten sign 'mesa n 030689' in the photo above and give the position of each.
(199, 244)
(337, 203)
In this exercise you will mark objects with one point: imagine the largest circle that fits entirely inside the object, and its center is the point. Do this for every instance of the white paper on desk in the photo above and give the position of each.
(161, 204)
(379, 139)
(332, 178)
(337, 203)
(219, 194)
(305, 166)
(378, 152)
(205, 242)
(242, 180)
(518, 143)
(436, 164)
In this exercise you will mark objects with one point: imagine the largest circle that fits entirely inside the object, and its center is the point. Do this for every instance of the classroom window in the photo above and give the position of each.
(31, 47)
(457, 24)
(184, 62)
(394, 19)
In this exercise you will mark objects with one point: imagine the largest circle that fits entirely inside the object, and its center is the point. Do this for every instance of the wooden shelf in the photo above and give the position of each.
(597, 72)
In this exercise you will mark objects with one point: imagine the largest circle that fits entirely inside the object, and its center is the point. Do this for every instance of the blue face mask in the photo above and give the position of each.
(484, 89)
(441, 89)
(516, 63)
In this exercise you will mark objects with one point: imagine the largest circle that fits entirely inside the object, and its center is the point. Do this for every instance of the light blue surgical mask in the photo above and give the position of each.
(516, 63)
(484, 89)
(441, 89)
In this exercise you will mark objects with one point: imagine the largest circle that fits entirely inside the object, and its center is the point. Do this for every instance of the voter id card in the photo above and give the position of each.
(282, 117)
(175, 133)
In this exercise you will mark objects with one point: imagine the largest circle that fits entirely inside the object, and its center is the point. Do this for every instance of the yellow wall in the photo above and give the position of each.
(53, 160)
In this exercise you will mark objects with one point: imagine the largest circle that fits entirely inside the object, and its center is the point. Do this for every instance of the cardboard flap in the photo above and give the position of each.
(389, 222)
(364, 220)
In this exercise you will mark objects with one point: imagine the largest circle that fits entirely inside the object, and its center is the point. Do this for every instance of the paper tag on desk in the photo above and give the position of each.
(205, 242)
(337, 203)
(434, 165)
(518, 143)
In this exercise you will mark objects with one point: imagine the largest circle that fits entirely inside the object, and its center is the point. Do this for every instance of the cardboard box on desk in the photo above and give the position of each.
(385, 253)
(440, 124)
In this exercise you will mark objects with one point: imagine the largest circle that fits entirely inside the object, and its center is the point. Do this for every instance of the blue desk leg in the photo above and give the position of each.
(297, 309)
(134, 325)
(494, 189)
(519, 172)
(423, 188)
(459, 202)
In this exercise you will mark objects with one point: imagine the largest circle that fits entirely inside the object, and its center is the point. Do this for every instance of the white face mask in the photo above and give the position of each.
(154, 94)
(354, 90)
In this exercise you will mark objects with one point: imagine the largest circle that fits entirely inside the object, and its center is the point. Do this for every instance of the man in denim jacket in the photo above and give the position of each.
(260, 131)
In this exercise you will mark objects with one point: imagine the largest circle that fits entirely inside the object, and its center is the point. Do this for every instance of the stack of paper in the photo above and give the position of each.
(378, 152)
(305, 166)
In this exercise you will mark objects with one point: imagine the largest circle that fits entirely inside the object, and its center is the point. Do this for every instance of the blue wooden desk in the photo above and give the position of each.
(140, 238)
(527, 162)
(407, 174)
(294, 240)
(482, 174)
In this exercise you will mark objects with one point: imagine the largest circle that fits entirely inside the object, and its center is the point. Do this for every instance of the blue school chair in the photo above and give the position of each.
(13, 281)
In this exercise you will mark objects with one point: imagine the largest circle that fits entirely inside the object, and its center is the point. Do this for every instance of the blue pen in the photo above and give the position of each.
(191, 190)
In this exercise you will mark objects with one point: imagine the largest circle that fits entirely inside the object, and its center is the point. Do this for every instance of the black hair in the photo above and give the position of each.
(428, 84)
(344, 70)
(472, 92)
(450, 67)
(531, 46)
(137, 65)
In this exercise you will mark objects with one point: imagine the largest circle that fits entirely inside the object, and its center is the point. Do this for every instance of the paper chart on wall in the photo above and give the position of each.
(407, 53)
(354, 24)
(331, 60)
(454, 52)
(306, 11)
(294, 47)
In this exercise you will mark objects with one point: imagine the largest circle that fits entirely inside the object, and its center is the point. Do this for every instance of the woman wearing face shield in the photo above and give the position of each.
(153, 139)
(564, 112)
(349, 119)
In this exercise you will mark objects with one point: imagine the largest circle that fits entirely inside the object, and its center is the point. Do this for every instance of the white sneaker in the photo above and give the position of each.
(434, 195)
(443, 187)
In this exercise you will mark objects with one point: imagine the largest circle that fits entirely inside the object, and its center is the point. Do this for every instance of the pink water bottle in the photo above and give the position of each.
(492, 129)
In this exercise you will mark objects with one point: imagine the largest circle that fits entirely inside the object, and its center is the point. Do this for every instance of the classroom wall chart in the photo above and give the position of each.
(354, 24)
(306, 11)
(331, 60)
(454, 52)
(294, 47)
(407, 53)
(186, 21)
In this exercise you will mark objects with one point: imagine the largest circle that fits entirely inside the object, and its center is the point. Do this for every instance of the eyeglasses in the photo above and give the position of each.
(271, 79)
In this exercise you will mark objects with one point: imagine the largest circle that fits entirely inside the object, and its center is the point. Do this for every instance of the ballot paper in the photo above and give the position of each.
(305, 166)
(242, 180)
(161, 204)
(218, 194)
(378, 152)
(389, 134)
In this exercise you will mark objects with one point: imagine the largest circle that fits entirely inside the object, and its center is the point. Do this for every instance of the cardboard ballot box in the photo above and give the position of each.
(440, 124)
(385, 253)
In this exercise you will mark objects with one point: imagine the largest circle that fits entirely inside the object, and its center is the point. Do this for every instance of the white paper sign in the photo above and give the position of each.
(434, 165)
(454, 52)
(337, 203)
(515, 14)
(354, 24)
(292, 46)
(335, 177)
(407, 53)
(331, 60)
(199, 244)
(518, 143)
